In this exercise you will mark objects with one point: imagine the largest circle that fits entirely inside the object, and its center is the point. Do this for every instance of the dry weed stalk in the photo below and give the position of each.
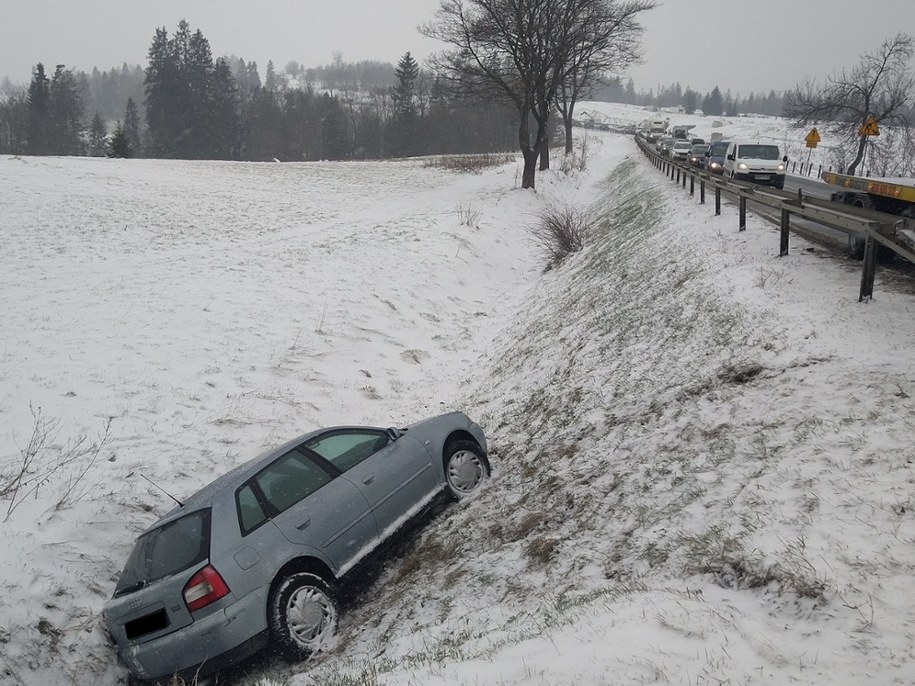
(41, 461)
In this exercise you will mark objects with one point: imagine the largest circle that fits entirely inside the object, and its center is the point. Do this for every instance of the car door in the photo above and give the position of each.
(313, 506)
(393, 471)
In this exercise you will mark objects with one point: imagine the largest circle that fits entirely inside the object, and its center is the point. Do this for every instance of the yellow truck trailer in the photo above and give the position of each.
(893, 196)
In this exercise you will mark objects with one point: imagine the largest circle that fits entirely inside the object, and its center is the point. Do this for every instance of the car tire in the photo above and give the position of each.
(466, 468)
(780, 185)
(302, 615)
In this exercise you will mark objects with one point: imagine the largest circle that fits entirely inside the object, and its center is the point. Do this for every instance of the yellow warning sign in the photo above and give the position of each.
(812, 138)
(870, 127)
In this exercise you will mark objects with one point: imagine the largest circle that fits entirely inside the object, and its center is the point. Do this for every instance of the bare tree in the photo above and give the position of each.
(881, 85)
(609, 45)
(514, 49)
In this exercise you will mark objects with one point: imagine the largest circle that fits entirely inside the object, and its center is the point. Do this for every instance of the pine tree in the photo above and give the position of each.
(254, 78)
(222, 117)
(270, 82)
(39, 113)
(333, 129)
(98, 137)
(14, 119)
(713, 103)
(199, 140)
(159, 84)
(405, 107)
(65, 107)
(187, 97)
(119, 145)
(132, 126)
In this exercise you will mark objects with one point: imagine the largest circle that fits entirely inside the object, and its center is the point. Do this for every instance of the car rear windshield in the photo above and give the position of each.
(166, 550)
(759, 152)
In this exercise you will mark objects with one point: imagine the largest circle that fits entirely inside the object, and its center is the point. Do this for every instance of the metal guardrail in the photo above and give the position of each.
(876, 227)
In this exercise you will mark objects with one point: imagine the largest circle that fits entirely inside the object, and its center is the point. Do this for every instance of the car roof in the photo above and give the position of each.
(232, 479)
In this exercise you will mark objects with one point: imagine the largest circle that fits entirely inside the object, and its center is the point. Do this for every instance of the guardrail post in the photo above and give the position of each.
(701, 191)
(717, 201)
(786, 223)
(869, 270)
(743, 214)
(692, 184)
(684, 178)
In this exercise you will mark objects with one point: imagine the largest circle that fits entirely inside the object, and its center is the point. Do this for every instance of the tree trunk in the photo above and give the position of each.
(567, 122)
(860, 156)
(530, 167)
(530, 153)
(545, 153)
(543, 138)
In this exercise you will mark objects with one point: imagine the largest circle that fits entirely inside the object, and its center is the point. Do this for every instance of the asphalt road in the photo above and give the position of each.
(809, 186)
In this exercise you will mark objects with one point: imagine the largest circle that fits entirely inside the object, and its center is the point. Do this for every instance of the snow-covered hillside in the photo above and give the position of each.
(702, 457)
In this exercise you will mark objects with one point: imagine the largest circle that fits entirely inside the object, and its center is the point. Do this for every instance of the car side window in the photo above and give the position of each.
(290, 479)
(250, 513)
(346, 449)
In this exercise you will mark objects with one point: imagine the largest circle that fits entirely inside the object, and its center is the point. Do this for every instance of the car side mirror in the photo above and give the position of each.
(731, 157)
(785, 158)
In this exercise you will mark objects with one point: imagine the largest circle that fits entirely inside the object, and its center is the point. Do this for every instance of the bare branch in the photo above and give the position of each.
(881, 85)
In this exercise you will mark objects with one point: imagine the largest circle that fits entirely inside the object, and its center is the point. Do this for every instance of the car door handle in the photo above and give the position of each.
(368, 479)
(303, 525)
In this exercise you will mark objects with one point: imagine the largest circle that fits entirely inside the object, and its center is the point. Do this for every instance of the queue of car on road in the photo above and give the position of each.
(752, 161)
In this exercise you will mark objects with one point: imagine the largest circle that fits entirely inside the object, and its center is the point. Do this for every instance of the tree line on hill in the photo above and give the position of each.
(714, 103)
(509, 67)
(509, 73)
(187, 104)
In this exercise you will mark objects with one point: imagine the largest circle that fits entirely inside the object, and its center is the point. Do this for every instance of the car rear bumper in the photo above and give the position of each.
(209, 644)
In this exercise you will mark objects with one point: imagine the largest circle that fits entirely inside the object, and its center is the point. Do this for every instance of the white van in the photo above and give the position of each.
(756, 162)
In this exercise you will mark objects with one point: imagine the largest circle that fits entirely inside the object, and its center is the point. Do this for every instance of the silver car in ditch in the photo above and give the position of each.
(258, 555)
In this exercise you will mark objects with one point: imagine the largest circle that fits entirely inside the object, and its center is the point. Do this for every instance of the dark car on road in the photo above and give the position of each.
(260, 554)
(714, 156)
(696, 156)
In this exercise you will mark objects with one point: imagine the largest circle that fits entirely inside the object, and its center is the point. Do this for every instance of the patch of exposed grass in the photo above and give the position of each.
(473, 164)
(559, 232)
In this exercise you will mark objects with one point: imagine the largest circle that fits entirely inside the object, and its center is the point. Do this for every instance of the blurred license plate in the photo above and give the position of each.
(761, 177)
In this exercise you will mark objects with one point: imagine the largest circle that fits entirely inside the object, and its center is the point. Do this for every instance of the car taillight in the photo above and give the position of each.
(205, 587)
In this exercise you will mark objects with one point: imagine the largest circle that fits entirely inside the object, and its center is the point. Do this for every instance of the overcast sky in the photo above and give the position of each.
(743, 45)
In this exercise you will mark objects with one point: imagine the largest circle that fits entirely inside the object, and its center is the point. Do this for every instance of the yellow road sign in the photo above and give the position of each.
(812, 138)
(870, 127)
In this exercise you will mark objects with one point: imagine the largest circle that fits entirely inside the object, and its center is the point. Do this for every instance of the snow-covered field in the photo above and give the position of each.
(702, 452)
